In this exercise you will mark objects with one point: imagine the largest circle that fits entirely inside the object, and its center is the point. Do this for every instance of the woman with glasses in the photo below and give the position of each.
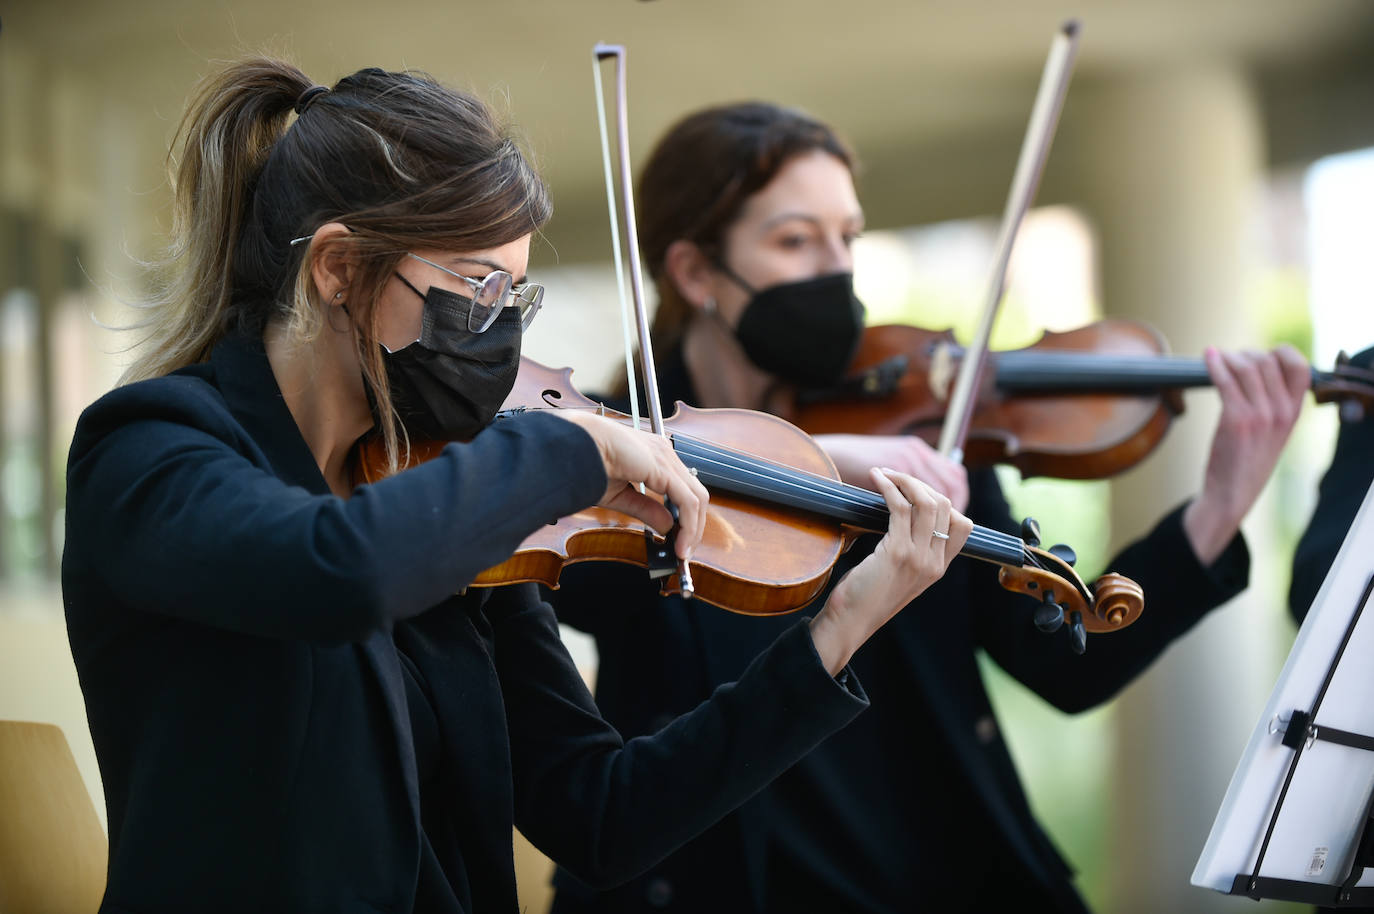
(296, 703)
(747, 214)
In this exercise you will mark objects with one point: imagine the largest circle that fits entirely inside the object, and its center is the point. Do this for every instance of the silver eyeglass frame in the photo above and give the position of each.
(491, 294)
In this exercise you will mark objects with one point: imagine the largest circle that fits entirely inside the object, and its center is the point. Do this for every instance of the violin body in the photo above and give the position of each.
(754, 558)
(1068, 434)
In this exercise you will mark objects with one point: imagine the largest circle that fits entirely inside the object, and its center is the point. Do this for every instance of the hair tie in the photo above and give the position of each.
(308, 96)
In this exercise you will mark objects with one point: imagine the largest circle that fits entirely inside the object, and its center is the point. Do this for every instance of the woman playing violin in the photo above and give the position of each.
(1338, 500)
(747, 215)
(295, 703)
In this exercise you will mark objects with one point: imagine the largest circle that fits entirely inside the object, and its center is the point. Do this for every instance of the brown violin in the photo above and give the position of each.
(1085, 404)
(778, 520)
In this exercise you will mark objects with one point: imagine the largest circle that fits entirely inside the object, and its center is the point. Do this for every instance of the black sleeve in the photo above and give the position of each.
(1178, 589)
(607, 809)
(599, 597)
(166, 506)
(1339, 497)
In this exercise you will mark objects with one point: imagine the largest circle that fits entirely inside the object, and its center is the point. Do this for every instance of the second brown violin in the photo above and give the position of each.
(1084, 404)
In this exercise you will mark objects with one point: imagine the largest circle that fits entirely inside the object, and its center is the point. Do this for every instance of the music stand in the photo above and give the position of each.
(1296, 821)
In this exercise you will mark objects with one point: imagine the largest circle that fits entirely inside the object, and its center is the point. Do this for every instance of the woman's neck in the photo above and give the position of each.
(323, 388)
(722, 375)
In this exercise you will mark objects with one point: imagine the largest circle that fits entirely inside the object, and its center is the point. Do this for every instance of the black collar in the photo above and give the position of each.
(245, 379)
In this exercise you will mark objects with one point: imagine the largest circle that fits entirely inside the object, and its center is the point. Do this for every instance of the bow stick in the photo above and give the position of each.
(1049, 101)
(660, 554)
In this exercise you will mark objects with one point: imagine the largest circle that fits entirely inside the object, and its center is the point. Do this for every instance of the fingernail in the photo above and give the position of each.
(886, 470)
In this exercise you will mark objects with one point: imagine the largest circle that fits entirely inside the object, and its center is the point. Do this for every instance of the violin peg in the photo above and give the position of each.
(1048, 616)
(1078, 635)
(1064, 553)
(1030, 531)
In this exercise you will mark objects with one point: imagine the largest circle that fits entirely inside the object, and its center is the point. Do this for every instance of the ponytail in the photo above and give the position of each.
(402, 161)
(223, 141)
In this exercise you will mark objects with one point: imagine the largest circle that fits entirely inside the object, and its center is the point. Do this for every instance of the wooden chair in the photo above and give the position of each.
(53, 852)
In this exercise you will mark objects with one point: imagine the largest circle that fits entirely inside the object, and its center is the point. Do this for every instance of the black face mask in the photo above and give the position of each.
(804, 332)
(450, 382)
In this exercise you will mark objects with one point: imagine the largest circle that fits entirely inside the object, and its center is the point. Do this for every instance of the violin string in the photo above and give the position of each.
(837, 492)
(980, 538)
(976, 540)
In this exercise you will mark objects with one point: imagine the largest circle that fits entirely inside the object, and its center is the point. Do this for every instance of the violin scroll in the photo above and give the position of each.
(1347, 384)
(1119, 600)
(1111, 603)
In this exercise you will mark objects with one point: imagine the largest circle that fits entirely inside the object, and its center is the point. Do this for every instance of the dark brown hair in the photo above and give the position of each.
(401, 160)
(698, 178)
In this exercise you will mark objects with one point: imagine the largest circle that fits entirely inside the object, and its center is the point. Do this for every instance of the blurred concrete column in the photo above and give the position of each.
(1169, 165)
(9, 267)
(48, 287)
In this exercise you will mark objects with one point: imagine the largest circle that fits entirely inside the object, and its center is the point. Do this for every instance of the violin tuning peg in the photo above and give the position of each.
(1030, 531)
(1064, 553)
(1048, 616)
(1078, 634)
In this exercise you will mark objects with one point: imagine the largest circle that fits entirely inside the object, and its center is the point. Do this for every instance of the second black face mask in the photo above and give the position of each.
(450, 382)
(804, 332)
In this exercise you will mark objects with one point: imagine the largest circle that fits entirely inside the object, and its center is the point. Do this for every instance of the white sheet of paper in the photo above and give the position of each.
(1315, 835)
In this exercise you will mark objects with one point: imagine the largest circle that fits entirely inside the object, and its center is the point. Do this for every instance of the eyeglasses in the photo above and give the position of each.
(490, 295)
(493, 293)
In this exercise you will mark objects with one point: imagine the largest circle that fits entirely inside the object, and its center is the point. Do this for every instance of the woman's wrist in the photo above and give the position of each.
(834, 635)
(1208, 530)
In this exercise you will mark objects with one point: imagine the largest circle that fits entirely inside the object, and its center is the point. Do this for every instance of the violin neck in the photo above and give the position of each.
(745, 475)
(1030, 370)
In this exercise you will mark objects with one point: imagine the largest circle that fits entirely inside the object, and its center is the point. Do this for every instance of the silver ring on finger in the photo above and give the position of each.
(938, 535)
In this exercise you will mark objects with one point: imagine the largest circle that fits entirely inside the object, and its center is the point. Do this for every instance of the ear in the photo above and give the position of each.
(690, 272)
(332, 264)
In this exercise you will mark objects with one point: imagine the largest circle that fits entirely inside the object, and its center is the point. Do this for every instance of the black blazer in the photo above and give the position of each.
(293, 712)
(1339, 497)
(917, 804)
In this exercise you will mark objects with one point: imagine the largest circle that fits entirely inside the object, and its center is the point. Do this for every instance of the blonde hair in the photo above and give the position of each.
(400, 160)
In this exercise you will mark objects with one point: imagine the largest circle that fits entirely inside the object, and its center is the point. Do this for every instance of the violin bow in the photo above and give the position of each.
(1035, 148)
(661, 561)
